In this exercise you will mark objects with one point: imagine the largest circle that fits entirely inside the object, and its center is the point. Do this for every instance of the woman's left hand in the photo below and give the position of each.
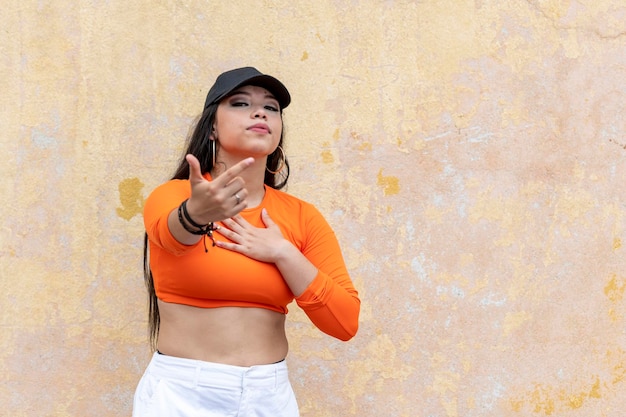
(262, 244)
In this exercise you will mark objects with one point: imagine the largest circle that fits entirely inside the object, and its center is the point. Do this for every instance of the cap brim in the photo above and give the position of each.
(271, 84)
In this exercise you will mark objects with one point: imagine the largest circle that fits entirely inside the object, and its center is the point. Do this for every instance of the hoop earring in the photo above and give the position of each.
(282, 160)
(214, 152)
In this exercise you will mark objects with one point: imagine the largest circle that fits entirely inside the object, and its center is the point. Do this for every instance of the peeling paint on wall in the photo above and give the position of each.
(389, 184)
(131, 198)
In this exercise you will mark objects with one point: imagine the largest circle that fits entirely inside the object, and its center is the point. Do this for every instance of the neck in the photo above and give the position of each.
(253, 177)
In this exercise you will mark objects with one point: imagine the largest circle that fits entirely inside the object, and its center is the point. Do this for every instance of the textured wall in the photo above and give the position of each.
(470, 154)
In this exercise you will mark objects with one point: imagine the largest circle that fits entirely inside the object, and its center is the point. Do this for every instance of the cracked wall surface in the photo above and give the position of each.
(470, 155)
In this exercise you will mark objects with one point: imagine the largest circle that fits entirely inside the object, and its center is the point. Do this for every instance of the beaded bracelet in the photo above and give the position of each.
(206, 230)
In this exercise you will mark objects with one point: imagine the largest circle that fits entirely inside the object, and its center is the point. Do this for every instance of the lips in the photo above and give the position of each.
(260, 128)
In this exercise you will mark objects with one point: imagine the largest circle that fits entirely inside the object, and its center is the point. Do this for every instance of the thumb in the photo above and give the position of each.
(267, 220)
(195, 174)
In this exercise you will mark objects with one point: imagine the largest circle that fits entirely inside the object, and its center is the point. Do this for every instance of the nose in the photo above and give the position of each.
(259, 113)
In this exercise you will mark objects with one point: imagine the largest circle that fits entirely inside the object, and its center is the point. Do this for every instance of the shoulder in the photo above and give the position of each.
(167, 195)
(288, 201)
(171, 187)
(294, 210)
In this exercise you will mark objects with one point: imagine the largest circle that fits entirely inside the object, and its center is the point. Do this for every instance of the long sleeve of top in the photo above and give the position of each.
(187, 274)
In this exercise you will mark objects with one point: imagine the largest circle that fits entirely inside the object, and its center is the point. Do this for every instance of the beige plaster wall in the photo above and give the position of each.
(470, 154)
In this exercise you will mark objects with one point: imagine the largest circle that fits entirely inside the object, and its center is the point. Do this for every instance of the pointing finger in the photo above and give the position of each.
(233, 171)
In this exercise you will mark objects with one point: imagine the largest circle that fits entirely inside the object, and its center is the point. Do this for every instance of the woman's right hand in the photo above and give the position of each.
(219, 199)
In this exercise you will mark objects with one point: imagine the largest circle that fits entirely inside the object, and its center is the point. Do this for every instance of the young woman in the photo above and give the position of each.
(226, 251)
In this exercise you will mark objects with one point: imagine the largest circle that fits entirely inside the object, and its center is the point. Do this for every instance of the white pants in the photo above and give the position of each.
(177, 387)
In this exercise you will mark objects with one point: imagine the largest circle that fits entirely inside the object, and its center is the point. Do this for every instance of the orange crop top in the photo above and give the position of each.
(186, 274)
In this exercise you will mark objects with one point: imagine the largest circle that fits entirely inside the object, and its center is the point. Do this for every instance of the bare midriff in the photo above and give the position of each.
(240, 336)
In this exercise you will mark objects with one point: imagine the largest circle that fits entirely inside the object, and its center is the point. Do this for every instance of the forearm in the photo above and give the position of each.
(297, 271)
(178, 231)
(333, 308)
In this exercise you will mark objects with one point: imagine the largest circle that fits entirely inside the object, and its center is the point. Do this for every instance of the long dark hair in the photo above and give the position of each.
(199, 145)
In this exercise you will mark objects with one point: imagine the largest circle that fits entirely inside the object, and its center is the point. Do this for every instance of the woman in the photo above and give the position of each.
(227, 252)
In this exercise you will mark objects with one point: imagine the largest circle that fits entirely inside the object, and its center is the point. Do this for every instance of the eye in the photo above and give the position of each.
(238, 103)
(271, 107)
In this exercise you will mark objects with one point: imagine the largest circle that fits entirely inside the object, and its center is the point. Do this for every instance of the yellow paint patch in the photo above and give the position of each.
(365, 146)
(547, 400)
(327, 157)
(576, 401)
(542, 400)
(391, 185)
(517, 405)
(361, 143)
(305, 56)
(617, 243)
(131, 198)
(614, 290)
(595, 389)
(617, 366)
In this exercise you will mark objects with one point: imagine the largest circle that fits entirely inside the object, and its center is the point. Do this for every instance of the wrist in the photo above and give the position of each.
(193, 213)
(284, 251)
(191, 226)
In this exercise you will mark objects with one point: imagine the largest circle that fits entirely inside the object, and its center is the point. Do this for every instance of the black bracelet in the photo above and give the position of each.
(200, 231)
(188, 217)
(206, 230)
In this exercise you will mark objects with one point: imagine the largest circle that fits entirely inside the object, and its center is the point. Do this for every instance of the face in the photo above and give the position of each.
(247, 123)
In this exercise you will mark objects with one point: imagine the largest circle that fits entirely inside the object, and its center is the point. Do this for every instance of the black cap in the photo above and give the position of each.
(229, 80)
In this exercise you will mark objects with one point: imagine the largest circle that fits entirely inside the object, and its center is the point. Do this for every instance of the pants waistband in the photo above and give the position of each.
(216, 374)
